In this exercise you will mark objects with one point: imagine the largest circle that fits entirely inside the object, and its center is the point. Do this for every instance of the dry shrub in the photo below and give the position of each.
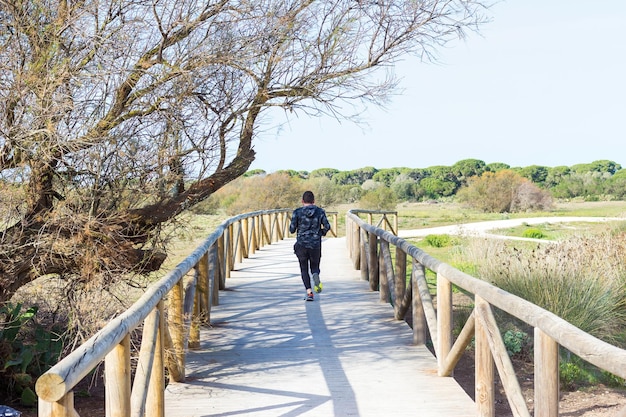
(582, 279)
(107, 281)
(259, 192)
(73, 310)
(504, 192)
(326, 192)
(529, 197)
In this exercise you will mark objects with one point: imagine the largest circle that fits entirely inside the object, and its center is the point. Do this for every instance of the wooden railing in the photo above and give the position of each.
(386, 220)
(190, 289)
(371, 253)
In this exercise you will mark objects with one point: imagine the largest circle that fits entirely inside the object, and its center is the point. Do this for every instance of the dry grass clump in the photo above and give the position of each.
(581, 279)
(81, 311)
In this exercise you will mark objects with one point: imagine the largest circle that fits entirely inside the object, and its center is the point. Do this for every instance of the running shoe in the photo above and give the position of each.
(317, 284)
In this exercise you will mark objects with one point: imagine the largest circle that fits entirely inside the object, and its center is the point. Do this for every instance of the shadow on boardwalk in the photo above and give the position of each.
(270, 353)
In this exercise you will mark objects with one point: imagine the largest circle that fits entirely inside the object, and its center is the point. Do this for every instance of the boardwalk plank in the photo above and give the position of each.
(270, 353)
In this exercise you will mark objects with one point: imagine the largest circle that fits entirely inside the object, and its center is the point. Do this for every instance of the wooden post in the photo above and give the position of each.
(355, 251)
(501, 360)
(459, 346)
(265, 235)
(395, 223)
(373, 261)
(281, 226)
(383, 286)
(189, 303)
(252, 245)
(400, 284)
(259, 232)
(272, 225)
(239, 243)
(193, 316)
(215, 280)
(363, 255)
(401, 266)
(232, 248)
(176, 325)
(484, 390)
(277, 229)
(444, 319)
(143, 372)
(546, 375)
(203, 286)
(155, 403)
(349, 226)
(228, 250)
(221, 260)
(245, 238)
(117, 379)
(62, 408)
(419, 318)
(427, 304)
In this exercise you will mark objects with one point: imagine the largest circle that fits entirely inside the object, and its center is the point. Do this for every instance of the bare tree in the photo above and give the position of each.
(118, 115)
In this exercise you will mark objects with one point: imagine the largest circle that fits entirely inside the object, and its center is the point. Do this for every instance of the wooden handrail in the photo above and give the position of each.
(192, 289)
(371, 242)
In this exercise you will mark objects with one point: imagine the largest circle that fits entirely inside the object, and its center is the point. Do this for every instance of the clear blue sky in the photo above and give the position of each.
(544, 83)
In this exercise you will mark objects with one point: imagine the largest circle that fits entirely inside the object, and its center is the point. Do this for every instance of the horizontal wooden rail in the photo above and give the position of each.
(191, 289)
(370, 250)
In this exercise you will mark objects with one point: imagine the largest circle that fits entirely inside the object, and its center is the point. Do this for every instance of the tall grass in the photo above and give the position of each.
(581, 279)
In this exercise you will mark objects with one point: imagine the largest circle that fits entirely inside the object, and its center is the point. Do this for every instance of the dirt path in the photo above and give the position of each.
(483, 228)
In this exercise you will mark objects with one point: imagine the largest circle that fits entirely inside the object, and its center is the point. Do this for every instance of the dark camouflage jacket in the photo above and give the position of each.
(311, 223)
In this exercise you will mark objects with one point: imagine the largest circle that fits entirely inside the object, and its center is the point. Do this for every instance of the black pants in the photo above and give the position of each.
(309, 260)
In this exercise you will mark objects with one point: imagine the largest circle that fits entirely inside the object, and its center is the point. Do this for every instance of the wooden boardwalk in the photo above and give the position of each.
(270, 353)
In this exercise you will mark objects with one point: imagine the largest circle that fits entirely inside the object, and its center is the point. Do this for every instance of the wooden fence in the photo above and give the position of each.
(191, 289)
(370, 251)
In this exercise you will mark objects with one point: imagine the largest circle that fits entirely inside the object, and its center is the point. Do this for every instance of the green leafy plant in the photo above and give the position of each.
(612, 380)
(25, 353)
(574, 372)
(15, 357)
(534, 233)
(515, 341)
(438, 241)
(20, 355)
(571, 375)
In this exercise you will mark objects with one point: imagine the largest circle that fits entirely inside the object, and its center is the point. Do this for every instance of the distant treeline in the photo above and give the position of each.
(595, 179)
(494, 187)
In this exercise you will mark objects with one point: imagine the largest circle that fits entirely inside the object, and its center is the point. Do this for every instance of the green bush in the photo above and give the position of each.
(571, 376)
(575, 373)
(611, 380)
(515, 342)
(438, 241)
(533, 233)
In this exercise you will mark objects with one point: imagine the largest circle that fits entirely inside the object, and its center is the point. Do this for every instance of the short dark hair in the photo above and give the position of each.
(308, 197)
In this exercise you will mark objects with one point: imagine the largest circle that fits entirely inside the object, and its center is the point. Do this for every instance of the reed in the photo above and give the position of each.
(581, 279)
